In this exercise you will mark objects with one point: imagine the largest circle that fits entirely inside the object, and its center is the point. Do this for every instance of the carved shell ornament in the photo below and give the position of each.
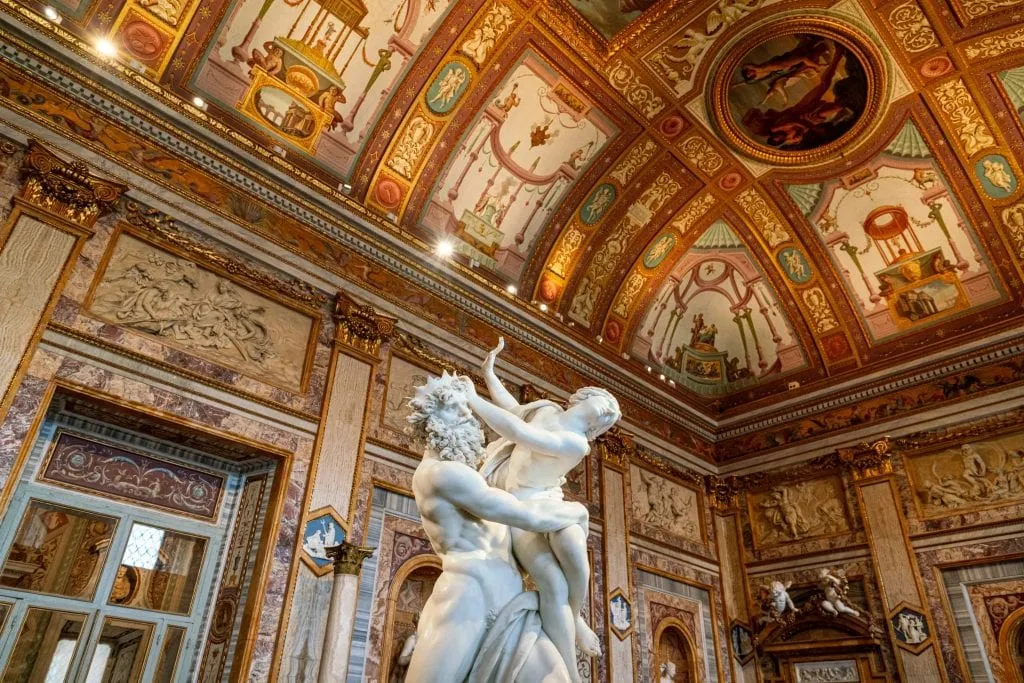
(797, 90)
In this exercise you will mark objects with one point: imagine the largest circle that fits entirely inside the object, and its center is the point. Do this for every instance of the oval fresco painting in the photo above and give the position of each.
(444, 93)
(797, 92)
(659, 250)
(597, 203)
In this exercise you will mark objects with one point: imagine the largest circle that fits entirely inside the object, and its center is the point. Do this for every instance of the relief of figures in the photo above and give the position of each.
(315, 74)
(149, 290)
(665, 505)
(800, 511)
(972, 475)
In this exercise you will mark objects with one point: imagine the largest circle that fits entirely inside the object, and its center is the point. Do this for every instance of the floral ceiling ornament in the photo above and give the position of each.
(912, 27)
(962, 114)
(995, 46)
(625, 79)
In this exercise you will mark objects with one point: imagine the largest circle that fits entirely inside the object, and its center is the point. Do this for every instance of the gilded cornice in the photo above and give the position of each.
(65, 190)
(617, 447)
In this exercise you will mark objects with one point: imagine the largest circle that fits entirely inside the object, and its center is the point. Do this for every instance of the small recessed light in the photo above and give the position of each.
(199, 102)
(648, 368)
(671, 382)
(600, 339)
(661, 377)
(543, 308)
(572, 324)
(51, 14)
(105, 48)
(511, 289)
(444, 249)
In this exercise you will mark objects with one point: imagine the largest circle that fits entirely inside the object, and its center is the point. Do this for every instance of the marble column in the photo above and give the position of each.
(908, 621)
(615, 447)
(334, 473)
(54, 212)
(341, 615)
(724, 497)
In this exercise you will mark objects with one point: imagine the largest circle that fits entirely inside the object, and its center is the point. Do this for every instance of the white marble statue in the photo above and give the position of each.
(667, 672)
(539, 444)
(776, 604)
(835, 586)
(479, 625)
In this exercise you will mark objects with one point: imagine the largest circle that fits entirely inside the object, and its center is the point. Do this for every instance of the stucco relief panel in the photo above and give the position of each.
(797, 512)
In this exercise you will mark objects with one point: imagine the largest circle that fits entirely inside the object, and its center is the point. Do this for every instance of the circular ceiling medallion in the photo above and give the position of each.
(799, 95)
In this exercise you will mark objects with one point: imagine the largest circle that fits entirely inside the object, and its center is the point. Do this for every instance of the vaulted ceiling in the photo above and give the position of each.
(732, 199)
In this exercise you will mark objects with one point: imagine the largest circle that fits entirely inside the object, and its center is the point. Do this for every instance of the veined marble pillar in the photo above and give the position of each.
(334, 473)
(725, 503)
(615, 447)
(54, 213)
(908, 621)
(348, 561)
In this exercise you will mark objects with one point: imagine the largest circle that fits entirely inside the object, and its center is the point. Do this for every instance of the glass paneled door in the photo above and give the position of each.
(94, 588)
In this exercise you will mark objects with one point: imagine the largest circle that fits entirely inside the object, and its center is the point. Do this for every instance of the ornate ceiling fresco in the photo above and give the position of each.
(729, 199)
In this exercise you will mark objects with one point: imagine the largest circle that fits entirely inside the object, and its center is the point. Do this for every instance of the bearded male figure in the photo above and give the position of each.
(539, 444)
(478, 624)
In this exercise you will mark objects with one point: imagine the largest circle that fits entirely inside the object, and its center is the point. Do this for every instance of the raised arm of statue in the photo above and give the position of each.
(465, 489)
(499, 394)
(558, 443)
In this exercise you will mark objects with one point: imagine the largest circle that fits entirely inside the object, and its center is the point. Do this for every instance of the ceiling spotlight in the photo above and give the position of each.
(543, 308)
(445, 249)
(199, 102)
(648, 368)
(105, 48)
(51, 14)
(671, 382)
(661, 377)
(511, 289)
(600, 339)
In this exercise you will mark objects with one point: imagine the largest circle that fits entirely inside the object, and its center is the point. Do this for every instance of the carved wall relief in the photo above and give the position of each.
(795, 512)
(969, 476)
(156, 292)
(663, 504)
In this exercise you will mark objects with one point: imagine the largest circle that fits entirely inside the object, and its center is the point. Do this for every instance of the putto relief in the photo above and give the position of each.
(797, 512)
(665, 505)
(969, 476)
(155, 292)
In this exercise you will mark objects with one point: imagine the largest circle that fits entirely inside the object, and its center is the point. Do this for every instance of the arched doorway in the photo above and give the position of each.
(408, 594)
(675, 657)
(1011, 644)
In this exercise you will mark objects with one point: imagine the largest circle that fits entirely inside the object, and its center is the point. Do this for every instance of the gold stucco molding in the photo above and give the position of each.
(64, 189)
(866, 460)
(360, 326)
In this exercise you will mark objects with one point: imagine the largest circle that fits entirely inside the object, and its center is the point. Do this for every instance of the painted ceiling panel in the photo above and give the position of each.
(865, 159)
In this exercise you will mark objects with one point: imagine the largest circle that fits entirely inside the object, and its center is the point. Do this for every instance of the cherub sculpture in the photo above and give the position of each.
(835, 587)
(776, 605)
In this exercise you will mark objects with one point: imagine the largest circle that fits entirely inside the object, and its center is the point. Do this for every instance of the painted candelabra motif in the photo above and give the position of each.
(520, 156)
(716, 323)
(315, 73)
(898, 236)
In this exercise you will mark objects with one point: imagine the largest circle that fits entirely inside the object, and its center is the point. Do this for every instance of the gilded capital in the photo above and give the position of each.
(867, 460)
(723, 492)
(65, 190)
(348, 558)
(616, 447)
(360, 326)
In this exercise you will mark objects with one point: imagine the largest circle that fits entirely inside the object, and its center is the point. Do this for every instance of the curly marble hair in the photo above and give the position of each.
(461, 440)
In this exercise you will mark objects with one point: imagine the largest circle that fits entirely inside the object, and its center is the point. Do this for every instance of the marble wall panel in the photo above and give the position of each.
(664, 509)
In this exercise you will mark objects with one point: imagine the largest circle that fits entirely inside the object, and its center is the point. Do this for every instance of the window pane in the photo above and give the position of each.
(5, 610)
(58, 550)
(45, 647)
(120, 653)
(173, 639)
(159, 570)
